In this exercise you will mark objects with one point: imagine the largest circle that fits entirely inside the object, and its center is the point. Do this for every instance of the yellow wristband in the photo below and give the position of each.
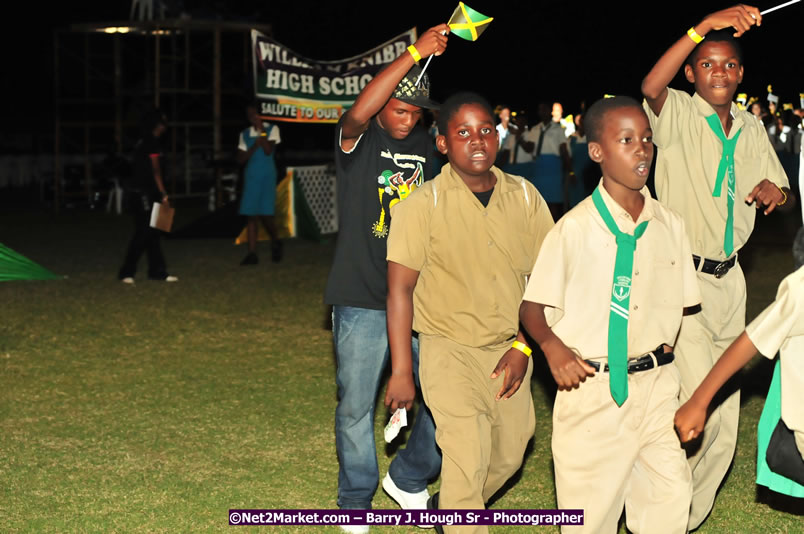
(694, 35)
(415, 53)
(521, 347)
(784, 200)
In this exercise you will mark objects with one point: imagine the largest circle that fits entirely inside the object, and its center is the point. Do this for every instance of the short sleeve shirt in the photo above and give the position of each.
(378, 173)
(554, 137)
(574, 274)
(472, 260)
(273, 135)
(142, 170)
(780, 328)
(687, 163)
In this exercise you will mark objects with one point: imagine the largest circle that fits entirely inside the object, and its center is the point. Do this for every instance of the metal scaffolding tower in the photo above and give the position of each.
(197, 71)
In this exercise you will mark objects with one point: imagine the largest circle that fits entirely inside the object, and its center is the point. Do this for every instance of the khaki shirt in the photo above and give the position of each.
(687, 163)
(780, 328)
(472, 261)
(574, 273)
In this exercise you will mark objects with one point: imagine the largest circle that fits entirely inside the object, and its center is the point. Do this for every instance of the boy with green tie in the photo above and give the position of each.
(714, 163)
(604, 303)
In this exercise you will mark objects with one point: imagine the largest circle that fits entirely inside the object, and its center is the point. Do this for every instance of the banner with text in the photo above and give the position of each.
(289, 87)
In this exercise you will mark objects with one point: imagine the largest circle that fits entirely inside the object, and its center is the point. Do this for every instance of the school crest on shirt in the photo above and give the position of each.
(621, 288)
(395, 185)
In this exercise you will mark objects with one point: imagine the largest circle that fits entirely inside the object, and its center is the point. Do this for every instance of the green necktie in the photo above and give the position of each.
(620, 299)
(726, 165)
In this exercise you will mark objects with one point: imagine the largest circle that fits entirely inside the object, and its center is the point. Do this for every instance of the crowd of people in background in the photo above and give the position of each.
(563, 136)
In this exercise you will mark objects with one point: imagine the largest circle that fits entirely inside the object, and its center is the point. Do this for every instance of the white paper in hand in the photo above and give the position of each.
(155, 214)
(398, 420)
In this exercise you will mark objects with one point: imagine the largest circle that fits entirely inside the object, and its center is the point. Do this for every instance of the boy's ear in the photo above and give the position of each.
(689, 73)
(441, 144)
(595, 152)
(740, 75)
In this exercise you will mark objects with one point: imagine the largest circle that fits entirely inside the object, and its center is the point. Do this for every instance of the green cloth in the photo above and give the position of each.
(726, 166)
(620, 299)
(15, 266)
(771, 414)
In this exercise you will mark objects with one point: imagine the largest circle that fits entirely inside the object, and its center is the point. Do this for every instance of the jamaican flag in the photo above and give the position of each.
(467, 23)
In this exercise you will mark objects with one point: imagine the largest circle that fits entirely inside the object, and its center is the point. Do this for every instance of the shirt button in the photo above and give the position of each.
(491, 243)
(672, 262)
(636, 273)
(485, 214)
(494, 277)
(636, 307)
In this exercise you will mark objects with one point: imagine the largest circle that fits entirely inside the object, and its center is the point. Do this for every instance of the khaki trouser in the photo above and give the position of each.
(607, 457)
(482, 440)
(702, 340)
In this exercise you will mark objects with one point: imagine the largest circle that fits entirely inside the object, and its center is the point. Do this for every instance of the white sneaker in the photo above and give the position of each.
(128, 280)
(171, 278)
(405, 500)
(355, 529)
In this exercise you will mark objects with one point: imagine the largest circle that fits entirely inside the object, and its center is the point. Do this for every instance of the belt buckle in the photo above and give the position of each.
(721, 269)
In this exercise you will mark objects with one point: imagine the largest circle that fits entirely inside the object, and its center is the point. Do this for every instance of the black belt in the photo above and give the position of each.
(641, 364)
(717, 268)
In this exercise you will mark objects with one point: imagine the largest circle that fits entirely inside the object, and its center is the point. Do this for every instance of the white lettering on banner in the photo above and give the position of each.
(387, 54)
(349, 85)
(327, 113)
(279, 79)
(278, 110)
(277, 54)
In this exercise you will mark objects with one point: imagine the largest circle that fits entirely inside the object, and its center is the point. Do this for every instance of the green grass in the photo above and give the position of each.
(158, 407)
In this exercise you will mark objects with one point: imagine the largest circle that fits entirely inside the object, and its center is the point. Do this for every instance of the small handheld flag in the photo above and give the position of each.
(772, 97)
(467, 23)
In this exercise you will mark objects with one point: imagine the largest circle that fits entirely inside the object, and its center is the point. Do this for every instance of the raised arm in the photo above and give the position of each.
(374, 96)
(401, 389)
(654, 87)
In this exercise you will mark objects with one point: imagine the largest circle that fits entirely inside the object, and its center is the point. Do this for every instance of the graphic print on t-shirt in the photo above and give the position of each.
(396, 185)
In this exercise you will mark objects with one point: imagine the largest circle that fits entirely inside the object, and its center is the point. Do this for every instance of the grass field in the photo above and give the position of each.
(158, 407)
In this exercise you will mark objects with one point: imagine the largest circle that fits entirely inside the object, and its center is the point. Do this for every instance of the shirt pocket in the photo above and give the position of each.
(666, 288)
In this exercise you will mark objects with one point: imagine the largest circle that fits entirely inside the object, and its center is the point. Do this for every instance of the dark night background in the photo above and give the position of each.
(554, 50)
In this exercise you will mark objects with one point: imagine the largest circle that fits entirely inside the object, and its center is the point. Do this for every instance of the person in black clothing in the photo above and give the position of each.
(145, 187)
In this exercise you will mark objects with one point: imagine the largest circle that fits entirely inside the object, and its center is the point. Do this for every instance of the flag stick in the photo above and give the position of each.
(424, 69)
(780, 6)
(431, 57)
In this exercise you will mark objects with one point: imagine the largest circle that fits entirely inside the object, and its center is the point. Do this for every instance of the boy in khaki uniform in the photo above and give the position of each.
(778, 329)
(714, 162)
(459, 250)
(604, 303)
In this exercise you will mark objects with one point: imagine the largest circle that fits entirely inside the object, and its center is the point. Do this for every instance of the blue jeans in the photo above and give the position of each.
(361, 349)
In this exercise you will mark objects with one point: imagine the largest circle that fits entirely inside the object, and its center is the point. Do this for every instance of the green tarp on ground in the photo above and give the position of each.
(15, 266)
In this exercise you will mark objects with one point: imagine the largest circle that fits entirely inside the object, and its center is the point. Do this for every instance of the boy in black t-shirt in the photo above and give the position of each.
(381, 155)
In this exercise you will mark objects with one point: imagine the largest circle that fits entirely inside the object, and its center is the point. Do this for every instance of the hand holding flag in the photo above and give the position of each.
(433, 42)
